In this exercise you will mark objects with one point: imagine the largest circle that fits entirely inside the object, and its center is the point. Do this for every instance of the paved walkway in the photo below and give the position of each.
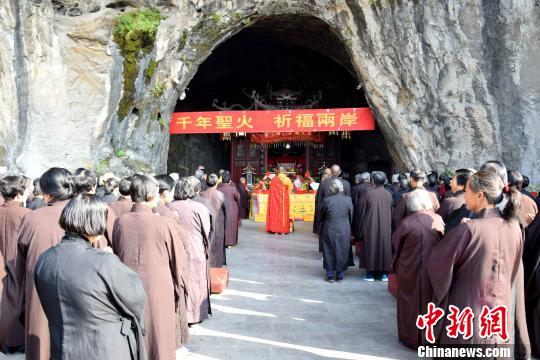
(278, 306)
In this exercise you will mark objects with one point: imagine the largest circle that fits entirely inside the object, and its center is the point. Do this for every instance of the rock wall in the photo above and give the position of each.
(452, 83)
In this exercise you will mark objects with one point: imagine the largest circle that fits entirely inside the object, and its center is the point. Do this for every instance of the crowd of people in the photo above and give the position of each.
(113, 270)
(467, 241)
(121, 268)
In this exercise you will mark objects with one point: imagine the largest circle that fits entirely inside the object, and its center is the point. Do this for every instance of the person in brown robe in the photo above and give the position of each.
(483, 254)
(146, 243)
(527, 207)
(327, 173)
(243, 210)
(166, 195)
(216, 199)
(195, 220)
(37, 198)
(413, 241)
(124, 204)
(13, 190)
(40, 231)
(531, 269)
(457, 200)
(417, 181)
(376, 229)
(232, 203)
(359, 191)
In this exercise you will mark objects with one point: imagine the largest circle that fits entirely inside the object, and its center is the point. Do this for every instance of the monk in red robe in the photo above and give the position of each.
(277, 215)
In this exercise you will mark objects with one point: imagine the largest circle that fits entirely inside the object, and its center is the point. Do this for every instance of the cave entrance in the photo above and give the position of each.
(300, 57)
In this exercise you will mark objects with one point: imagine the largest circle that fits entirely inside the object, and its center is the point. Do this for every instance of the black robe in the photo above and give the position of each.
(531, 269)
(335, 219)
(96, 313)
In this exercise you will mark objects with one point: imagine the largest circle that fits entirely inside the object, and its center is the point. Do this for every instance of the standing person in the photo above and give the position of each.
(531, 262)
(527, 207)
(40, 231)
(124, 204)
(327, 173)
(457, 200)
(13, 190)
(483, 254)
(335, 217)
(324, 188)
(376, 229)
(360, 190)
(166, 194)
(216, 199)
(200, 174)
(146, 243)
(413, 241)
(232, 203)
(244, 198)
(96, 313)
(525, 185)
(277, 215)
(194, 218)
(433, 183)
(111, 190)
(85, 181)
(37, 200)
(417, 181)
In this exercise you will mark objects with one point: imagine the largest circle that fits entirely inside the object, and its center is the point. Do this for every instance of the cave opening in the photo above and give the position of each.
(292, 53)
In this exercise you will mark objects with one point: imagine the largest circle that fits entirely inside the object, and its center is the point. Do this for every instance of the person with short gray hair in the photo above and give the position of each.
(232, 203)
(72, 276)
(200, 174)
(335, 219)
(215, 202)
(413, 240)
(374, 230)
(149, 244)
(195, 219)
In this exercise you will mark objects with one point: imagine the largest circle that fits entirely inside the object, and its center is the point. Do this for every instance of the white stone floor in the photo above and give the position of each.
(278, 306)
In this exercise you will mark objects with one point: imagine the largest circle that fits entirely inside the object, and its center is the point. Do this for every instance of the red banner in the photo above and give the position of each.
(256, 121)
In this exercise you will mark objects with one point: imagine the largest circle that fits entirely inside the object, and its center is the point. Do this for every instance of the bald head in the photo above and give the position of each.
(281, 170)
(336, 170)
(327, 171)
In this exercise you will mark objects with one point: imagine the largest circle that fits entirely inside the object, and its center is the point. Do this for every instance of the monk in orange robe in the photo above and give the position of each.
(277, 215)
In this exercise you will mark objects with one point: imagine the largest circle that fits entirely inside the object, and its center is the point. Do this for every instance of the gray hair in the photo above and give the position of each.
(366, 177)
(282, 169)
(336, 170)
(336, 186)
(199, 174)
(190, 187)
(419, 200)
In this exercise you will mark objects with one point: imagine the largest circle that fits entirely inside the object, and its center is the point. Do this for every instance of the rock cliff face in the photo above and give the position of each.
(452, 83)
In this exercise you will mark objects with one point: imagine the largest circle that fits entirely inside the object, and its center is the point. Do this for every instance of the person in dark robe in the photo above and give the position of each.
(85, 181)
(217, 254)
(278, 219)
(375, 232)
(525, 185)
(403, 187)
(111, 190)
(359, 191)
(413, 241)
(232, 204)
(195, 220)
(13, 190)
(146, 243)
(335, 217)
(40, 231)
(124, 204)
(166, 194)
(417, 180)
(200, 174)
(457, 200)
(432, 183)
(73, 275)
(445, 189)
(324, 175)
(324, 190)
(531, 269)
(244, 198)
(37, 199)
(527, 207)
(483, 254)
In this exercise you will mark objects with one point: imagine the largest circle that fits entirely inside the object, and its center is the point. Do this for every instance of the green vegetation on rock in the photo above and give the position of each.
(135, 33)
(121, 153)
(158, 90)
(150, 70)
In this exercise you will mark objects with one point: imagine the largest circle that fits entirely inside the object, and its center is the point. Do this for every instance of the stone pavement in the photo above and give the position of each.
(278, 306)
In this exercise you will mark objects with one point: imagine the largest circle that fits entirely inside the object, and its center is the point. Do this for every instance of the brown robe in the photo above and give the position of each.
(122, 206)
(413, 240)
(358, 195)
(182, 328)
(376, 230)
(232, 203)
(527, 206)
(39, 231)
(216, 251)
(450, 204)
(195, 220)
(243, 210)
(11, 330)
(531, 262)
(479, 263)
(401, 207)
(146, 243)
